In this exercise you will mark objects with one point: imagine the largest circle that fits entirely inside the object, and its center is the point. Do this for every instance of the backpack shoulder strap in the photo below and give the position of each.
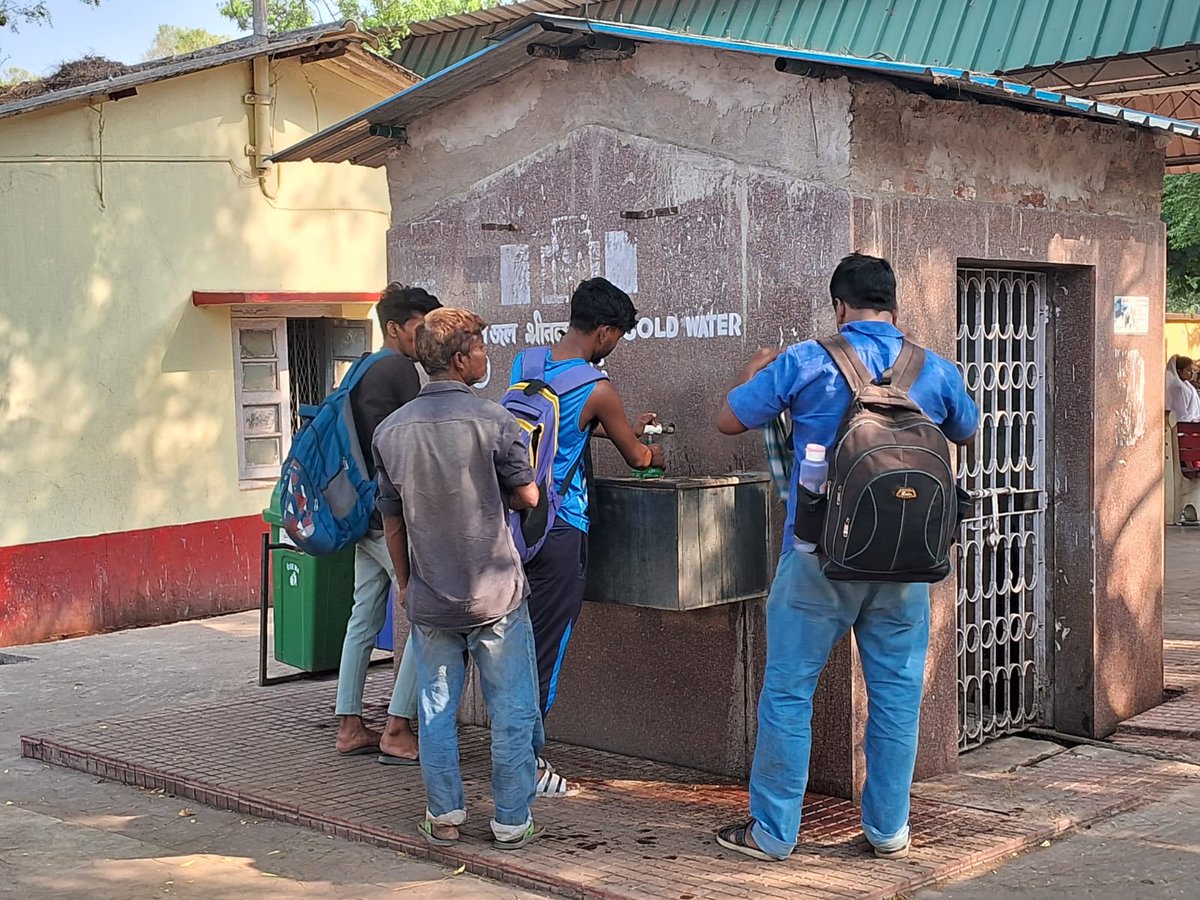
(359, 369)
(533, 364)
(847, 360)
(576, 377)
(908, 366)
(566, 482)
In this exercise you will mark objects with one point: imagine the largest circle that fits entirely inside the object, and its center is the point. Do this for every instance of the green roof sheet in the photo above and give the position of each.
(997, 36)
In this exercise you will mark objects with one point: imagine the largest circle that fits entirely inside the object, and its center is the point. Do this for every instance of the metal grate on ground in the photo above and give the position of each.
(639, 829)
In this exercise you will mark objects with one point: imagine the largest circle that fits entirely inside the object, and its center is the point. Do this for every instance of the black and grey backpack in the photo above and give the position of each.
(891, 512)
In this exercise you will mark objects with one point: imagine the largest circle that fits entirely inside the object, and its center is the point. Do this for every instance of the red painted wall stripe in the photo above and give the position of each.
(228, 298)
(148, 577)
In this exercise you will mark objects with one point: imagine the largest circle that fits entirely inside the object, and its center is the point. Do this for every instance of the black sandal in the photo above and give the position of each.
(737, 838)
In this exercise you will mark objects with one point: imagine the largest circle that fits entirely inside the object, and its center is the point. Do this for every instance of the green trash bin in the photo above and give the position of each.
(313, 596)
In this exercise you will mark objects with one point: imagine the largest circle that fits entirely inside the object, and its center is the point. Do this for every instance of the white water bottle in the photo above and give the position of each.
(814, 471)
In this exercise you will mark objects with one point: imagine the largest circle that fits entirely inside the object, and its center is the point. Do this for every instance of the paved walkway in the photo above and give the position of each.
(66, 835)
(639, 829)
(1150, 852)
(178, 704)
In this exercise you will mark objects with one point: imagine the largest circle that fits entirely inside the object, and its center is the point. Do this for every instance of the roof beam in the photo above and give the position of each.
(1142, 87)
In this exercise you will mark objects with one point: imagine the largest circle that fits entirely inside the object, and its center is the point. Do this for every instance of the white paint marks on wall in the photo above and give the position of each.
(570, 256)
(1131, 417)
(620, 261)
(594, 259)
(514, 275)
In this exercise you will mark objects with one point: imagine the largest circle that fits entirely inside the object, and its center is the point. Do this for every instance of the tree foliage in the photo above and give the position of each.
(282, 15)
(15, 75)
(14, 13)
(388, 19)
(1181, 212)
(172, 40)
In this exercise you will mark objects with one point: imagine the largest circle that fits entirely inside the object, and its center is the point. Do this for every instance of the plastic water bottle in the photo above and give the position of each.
(814, 471)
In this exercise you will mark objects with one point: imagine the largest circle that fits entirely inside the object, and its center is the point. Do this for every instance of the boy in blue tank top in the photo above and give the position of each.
(601, 314)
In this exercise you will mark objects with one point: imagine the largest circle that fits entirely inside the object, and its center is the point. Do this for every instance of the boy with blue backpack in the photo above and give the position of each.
(389, 382)
(561, 400)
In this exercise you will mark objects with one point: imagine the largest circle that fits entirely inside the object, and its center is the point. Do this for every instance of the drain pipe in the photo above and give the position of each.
(262, 141)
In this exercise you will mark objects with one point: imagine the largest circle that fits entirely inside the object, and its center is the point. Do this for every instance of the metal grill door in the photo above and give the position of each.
(320, 352)
(1002, 320)
(307, 355)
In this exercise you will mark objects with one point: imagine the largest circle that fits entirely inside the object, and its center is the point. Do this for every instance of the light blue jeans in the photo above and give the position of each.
(373, 575)
(806, 615)
(504, 655)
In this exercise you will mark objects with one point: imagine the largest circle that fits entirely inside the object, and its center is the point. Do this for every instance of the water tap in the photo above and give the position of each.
(648, 434)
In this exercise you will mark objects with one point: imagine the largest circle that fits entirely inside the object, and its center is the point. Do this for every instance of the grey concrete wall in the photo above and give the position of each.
(754, 162)
(729, 108)
(505, 199)
(912, 144)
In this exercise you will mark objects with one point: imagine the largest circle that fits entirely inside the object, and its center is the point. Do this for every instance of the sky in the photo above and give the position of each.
(118, 29)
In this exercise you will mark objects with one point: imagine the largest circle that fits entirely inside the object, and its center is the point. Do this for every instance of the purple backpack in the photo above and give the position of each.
(534, 402)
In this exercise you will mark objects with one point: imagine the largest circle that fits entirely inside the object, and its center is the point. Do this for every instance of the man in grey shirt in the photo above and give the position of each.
(450, 465)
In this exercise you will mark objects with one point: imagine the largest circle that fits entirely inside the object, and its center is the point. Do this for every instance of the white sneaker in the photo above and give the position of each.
(898, 853)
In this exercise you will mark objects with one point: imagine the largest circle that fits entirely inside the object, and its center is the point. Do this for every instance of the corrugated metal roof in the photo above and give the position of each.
(351, 141)
(981, 35)
(276, 45)
(495, 15)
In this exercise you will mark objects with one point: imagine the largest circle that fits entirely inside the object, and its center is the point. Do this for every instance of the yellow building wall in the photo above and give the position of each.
(1182, 336)
(116, 394)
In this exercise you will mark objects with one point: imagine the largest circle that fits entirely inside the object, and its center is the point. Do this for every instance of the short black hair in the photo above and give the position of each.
(598, 302)
(864, 282)
(399, 303)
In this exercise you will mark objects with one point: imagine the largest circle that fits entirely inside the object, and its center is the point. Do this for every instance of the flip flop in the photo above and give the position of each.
(528, 835)
(426, 829)
(386, 759)
(736, 837)
(366, 750)
(553, 785)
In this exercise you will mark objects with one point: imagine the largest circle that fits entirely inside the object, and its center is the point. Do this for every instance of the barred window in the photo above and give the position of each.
(279, 365)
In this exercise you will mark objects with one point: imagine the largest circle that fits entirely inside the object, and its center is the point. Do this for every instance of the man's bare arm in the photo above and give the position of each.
(524, 497)
(395, 533)
(605, 407)
(727, 422)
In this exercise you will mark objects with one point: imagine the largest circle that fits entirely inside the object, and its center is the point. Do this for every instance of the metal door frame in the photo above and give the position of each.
(1012, 508)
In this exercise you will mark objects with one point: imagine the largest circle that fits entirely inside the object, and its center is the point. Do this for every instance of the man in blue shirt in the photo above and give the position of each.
(601, 315)
(807, 613)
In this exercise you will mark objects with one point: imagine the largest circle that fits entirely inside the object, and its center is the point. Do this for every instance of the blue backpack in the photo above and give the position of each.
(534, 401)
(325, 496)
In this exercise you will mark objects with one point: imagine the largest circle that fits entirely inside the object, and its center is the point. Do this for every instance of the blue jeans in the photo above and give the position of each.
(373, 575)
(806, 615)
(503, 652)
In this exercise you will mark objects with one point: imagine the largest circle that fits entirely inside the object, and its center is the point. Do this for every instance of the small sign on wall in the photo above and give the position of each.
(1131, 315)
